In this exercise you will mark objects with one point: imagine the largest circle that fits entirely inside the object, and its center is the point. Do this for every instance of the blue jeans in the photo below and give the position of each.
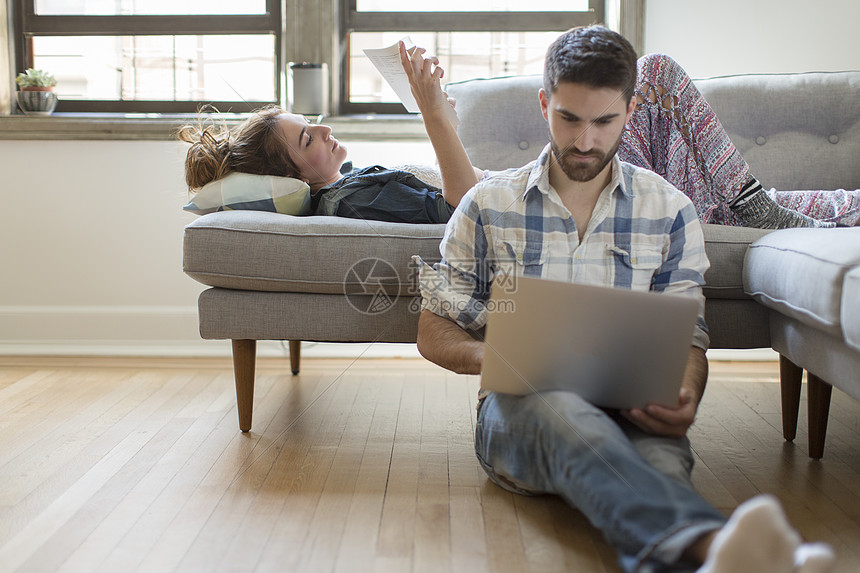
(632, 486)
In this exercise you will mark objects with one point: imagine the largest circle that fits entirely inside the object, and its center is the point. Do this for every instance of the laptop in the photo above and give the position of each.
(616, 348)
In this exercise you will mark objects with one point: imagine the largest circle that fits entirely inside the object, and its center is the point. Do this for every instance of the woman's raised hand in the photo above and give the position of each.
(425, 76)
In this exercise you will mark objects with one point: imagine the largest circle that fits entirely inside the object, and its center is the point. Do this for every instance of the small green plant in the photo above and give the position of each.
(35, 79)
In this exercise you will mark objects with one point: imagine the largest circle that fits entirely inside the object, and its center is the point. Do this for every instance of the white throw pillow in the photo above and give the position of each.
(252, 192)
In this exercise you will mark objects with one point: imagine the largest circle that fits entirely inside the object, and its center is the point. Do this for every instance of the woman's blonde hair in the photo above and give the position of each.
(256, 146)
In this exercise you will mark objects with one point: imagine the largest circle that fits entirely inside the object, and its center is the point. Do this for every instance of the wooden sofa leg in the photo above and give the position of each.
(818, 395)
(244, 362)
(295, 355)
(790, 379)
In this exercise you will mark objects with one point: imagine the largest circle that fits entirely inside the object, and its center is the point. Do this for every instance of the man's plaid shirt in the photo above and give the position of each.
(643, 234)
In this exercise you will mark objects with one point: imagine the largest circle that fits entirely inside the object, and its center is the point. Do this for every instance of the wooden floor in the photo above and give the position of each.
(122, 465)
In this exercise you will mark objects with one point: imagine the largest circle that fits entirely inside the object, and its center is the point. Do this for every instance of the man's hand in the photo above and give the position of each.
(424, 76)
(669, 421)
(665, 421)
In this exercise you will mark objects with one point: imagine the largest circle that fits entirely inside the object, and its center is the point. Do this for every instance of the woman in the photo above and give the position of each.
(273, 142)
(672, 132)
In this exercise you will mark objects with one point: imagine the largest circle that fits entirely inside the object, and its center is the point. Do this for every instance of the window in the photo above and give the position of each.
(153, 55)
(479, 38)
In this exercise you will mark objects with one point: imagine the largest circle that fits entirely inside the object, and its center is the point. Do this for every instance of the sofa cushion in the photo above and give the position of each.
(726, 248)
(226, 313)
(851, 308)
(252, 250)
(801, 273)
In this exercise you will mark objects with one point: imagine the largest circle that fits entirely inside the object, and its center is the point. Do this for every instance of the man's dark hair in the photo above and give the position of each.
(594, 56)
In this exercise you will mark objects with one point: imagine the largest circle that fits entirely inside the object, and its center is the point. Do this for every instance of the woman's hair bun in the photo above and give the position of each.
(208, 158)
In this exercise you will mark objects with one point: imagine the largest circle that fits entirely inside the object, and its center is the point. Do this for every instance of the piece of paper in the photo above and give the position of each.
(387, 61)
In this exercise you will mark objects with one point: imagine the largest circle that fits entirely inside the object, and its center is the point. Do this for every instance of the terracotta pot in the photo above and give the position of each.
(37, 89)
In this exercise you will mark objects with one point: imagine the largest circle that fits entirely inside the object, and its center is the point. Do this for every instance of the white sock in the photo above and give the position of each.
(814, 558)
(756, 538)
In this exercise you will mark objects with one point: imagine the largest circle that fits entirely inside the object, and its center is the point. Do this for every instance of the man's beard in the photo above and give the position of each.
(582, 172)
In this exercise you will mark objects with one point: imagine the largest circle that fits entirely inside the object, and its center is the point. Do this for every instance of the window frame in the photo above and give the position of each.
(28, 24)
(351, 21)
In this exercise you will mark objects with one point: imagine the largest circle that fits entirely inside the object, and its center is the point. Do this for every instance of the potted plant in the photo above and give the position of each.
(36, 96)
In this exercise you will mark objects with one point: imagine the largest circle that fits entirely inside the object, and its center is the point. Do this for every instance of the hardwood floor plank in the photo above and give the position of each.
(543, 548)
(460, 413)
(25, 388)
(357, 551)
(397, 526)
(432, 536)
(59, 432)
(468, 536)
(11, 375)
(583, 546)
(774, 466)
(504, 544)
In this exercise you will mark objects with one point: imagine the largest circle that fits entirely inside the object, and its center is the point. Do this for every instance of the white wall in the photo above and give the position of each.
(712, 38)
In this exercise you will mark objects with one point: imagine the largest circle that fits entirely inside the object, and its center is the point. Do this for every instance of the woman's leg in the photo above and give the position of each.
(840, 206)
(675, 133)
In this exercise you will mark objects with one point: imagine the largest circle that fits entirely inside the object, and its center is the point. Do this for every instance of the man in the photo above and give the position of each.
(579, 214)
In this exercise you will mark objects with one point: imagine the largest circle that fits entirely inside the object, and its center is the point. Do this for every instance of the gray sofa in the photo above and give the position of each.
(276, 277)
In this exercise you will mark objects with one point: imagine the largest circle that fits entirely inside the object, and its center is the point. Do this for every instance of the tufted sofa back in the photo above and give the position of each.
(797, 131)
(500, 120)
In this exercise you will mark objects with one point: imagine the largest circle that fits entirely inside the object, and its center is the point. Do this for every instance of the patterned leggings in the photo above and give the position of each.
(675, 133)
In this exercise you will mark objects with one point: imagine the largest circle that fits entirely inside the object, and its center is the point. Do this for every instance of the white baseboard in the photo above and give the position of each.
(144, 331)
(172, 331)
(91, 323)
(204, 348)
(750, 355)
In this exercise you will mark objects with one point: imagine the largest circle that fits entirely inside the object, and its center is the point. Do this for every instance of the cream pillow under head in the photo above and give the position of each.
(252, 192)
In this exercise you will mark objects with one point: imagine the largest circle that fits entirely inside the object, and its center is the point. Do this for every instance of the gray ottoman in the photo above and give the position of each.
(810, 281)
